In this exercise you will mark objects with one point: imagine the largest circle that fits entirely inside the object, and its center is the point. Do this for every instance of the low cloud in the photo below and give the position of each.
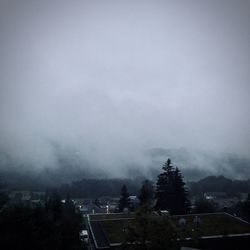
(108, 80)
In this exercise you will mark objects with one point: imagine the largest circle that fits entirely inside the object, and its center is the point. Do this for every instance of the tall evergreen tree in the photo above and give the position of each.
(146, 194)
(170, 190)
(245, 207)
(124, 199)
(182, 203)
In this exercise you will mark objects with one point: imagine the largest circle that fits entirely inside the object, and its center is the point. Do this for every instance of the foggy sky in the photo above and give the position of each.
(109, 79)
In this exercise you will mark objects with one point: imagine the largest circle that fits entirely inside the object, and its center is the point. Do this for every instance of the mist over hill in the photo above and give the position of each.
(88, 88)
(198, 164)
(70, 166)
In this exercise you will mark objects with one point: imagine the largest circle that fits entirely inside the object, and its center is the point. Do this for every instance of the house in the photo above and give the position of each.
(214, 195)
(226, 202)
(89, 207)
(221, 199)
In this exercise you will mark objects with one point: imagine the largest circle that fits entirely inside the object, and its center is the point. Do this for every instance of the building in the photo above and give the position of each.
(214, 231)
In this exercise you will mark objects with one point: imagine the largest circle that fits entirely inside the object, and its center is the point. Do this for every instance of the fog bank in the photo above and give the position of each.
(107, 80)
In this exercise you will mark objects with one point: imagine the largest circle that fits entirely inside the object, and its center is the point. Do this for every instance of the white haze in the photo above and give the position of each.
(111, 79)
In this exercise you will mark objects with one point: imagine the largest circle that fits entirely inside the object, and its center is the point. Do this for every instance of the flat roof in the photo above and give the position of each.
(109, 228)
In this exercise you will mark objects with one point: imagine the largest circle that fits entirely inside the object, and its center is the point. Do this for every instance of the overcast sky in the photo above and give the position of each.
(111, 78)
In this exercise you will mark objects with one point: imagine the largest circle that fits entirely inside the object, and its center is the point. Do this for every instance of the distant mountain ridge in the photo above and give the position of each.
(219, 184)
(197, 165)
(193, 165)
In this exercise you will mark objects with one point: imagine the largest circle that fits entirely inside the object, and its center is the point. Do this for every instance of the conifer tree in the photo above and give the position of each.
(171, 193)
(146, 194)
(124, 199)
(182, 203)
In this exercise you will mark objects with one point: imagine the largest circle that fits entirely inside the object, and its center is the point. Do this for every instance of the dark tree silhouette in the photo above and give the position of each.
(182, 203)
(146, 194)
(246, 208)
(124, 199)
(148, 232)
(171, 193)
(37, 228)
(3, 199)
(205, 206)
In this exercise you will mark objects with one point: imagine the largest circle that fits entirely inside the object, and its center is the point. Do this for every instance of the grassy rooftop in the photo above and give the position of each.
(111, 216)
(115, 229)
(211, 225)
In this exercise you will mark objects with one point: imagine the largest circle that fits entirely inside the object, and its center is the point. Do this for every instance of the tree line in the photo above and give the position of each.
(149, 232)
(54, 226)
(93, 188)
(169, 192)
(219, 184)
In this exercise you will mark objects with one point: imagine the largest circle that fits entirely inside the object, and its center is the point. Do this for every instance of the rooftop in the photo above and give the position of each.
(108, 229)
